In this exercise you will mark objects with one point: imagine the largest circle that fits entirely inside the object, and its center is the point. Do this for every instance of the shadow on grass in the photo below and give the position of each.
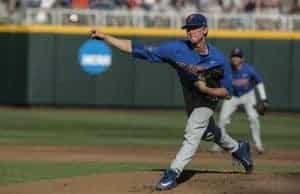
(188, 174)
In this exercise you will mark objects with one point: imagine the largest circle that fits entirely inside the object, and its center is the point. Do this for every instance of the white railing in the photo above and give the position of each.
(169, 19)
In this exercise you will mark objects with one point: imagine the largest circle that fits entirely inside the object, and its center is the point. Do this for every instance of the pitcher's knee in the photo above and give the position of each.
(194, 123)
(192, 139)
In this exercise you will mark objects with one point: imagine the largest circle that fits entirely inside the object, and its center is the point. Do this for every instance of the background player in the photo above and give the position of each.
(245, 80)
(200, 100)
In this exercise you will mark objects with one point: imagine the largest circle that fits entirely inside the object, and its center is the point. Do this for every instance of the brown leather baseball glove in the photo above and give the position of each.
(261, 106)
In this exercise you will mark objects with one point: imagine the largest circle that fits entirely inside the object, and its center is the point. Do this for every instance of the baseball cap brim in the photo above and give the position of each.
(191, 26)
(236, 55)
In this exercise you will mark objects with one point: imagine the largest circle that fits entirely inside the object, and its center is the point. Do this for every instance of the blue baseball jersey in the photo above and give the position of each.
(182, 52)
(244, 79)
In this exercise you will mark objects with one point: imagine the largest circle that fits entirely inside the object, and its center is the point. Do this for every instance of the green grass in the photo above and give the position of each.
(25, 171)
(120, 128)
(143, 128)
(20, 171)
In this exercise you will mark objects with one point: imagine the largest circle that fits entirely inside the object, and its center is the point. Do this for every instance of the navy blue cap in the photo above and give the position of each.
(237, 52)
(195, 20)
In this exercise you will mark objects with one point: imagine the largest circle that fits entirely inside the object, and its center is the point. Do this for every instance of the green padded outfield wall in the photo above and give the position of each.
(14, 70)
(57, 78)
(42, 69)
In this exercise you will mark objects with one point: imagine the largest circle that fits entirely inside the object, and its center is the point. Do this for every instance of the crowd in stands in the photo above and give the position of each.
(9, 8)
(216, 6)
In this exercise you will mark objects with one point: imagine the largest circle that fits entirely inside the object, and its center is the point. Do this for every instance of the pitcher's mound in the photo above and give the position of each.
(192, 182)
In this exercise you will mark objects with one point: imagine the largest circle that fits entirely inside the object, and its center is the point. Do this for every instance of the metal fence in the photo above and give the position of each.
(167, 19)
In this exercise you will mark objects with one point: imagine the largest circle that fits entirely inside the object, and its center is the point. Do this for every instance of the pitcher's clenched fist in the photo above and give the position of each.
(96, 34)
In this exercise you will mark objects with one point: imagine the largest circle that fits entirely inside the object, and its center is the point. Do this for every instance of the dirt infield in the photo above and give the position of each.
(192, 182)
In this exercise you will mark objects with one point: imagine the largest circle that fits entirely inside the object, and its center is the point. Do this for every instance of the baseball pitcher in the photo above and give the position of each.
(193, 60)
(245, 81)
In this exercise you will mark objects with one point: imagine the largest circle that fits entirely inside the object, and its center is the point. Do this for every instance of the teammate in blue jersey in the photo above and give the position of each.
(245, 81)
(190, 58)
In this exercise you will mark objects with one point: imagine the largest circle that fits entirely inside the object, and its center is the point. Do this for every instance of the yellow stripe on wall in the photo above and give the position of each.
(149, 32)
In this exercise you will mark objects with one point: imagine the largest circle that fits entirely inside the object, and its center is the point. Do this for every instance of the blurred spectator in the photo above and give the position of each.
(47, 4)
(202, 5)
(149, 4)
(32, 3)
(3, 10)
(121, 3)
(295, 7)
(183, 6)
(64, 3)
(209, 6)
(178, 4)
(102, 4)
(11, 6)
(74, 18)
(227, 5)
(133, 4)
(249, 6)
(80, 4)
(44, 5)
(231, 6)
(162, 5)
(271, 7)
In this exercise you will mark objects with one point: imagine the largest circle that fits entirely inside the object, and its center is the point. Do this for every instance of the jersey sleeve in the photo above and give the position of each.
(255, 75)
(154, 54)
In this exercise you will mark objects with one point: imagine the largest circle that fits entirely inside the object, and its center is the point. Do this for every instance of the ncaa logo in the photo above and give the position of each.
(94, 57)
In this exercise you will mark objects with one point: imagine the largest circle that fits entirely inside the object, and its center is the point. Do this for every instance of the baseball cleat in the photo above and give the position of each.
(243, 156)
(168, 181)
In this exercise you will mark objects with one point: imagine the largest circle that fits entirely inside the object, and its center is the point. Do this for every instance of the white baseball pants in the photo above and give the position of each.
(196, 126)
(247, 101)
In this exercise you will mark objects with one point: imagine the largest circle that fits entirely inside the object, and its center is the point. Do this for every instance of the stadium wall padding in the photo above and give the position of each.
(14, 69)
(43, 69)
